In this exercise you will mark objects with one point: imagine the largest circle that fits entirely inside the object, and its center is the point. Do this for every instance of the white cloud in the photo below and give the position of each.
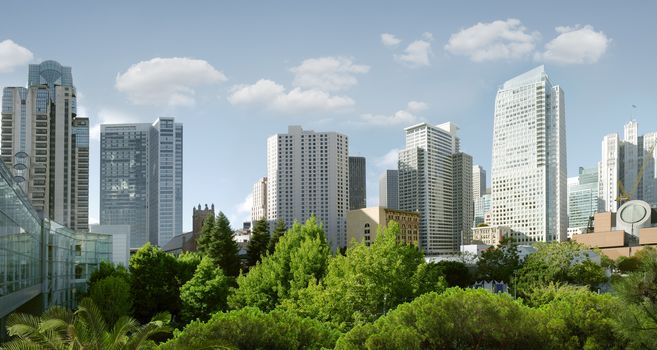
(402, 117)
(575, 45)
(270, 95)
(13, 55)
(108, 116)
(418, 52)
(493, 41)
(168, 81)
(327, 73)
(245, 206)
(389, 40)
(388, 160)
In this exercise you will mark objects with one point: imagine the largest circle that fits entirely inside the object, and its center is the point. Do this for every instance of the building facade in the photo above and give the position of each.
(463, 205)
(141, 179)
(426, 184)
(621, 165)
(490, 235)
(583, 201)
(308, 174)
(482, 206)
(389, 189)
(357, 183)
(46, 144)
(478, 181)
(363, 225)
(259, 205)
(529, 159)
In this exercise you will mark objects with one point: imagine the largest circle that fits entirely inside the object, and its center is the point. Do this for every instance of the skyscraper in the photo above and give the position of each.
(478, 181)
(389, 189)
(259, 205)
(308, 173)
(529, 158)
(141, 179)
(583, 199)
(357, 187)
(621, 165)
(426, 184)
(463, 208)
(46, 144)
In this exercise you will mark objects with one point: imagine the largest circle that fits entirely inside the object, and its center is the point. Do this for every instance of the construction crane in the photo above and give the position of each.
(623, 195)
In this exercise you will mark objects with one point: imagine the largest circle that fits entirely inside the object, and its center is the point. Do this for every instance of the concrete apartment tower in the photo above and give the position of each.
(426, 184)
(529, 159)
(389, 189)
(621, 163)
(259, 205)
(308, 173)
(478, 181)
(357, 183)
(46, 144)
(141, 179)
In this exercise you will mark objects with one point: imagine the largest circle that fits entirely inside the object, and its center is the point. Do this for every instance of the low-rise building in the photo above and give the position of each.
(363, 224)
(491, 235)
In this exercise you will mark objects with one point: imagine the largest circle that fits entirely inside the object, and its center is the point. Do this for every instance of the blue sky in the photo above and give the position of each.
(235, 73)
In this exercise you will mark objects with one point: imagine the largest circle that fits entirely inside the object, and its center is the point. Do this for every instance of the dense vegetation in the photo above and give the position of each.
(293, 293)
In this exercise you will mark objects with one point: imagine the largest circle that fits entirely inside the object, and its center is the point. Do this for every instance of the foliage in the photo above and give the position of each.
(113, 298)
(456, 319)
(187, 264)
(154, 284)
(364, 283)
(499, 264)
(217, 241)
(59, 328)
(428, 278)
(456, 273)
(301, 256)
(279, 231)
(565, 262)
(258, 243)
(250, 328)
(106, 269)
(205, 292)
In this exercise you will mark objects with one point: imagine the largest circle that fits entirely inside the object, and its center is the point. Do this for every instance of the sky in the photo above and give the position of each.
(235, 73)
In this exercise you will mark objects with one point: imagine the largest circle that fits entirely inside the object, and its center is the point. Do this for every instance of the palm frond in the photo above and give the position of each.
(20, 344)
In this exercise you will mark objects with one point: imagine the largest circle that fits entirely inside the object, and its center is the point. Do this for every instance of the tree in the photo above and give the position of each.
(59, 328)
(106, 269)
(250, 328)
(301, 256)
(258, 243)
(112, 296)
(205, 292)
(499, 264)
(187, 264)
(428, 278)
(217, 241)
(456, 273)
(155, 285)
(279, 231)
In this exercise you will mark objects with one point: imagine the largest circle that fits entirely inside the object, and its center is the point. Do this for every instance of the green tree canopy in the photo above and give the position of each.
(301, 256)
(217, 241)
(499, 263)
(279, 231)
(258, 243)
(113, 298)
(456, 273)
(205, 293)
(107, 269)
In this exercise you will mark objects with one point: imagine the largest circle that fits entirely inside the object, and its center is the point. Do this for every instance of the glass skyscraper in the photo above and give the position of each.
(141, 179)
(357, 183)
(583, 200)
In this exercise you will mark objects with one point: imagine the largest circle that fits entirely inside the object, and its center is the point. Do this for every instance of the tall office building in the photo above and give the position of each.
(308, 173)
(621, 164)
(389, 189)
(141, 179)
(482, 206)
(463, 208)
(478, 181)
(357, 180)
(426, 184)
(46, 144)
(583, 199)
(259, 204)
(529, 158)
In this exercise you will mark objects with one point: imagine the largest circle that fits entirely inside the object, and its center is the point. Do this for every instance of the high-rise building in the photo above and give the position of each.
(46, 144)
(478, 181)
(529, 158)
(621, 164)
(463, 208)
(426, 184)
(259, 205)
(482, 206)
(389, 189)
(141, 179)
(308, 174)
(357, 180)
(583, 199)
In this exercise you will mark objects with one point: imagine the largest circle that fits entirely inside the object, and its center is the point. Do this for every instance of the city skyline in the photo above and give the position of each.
(383, 80)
